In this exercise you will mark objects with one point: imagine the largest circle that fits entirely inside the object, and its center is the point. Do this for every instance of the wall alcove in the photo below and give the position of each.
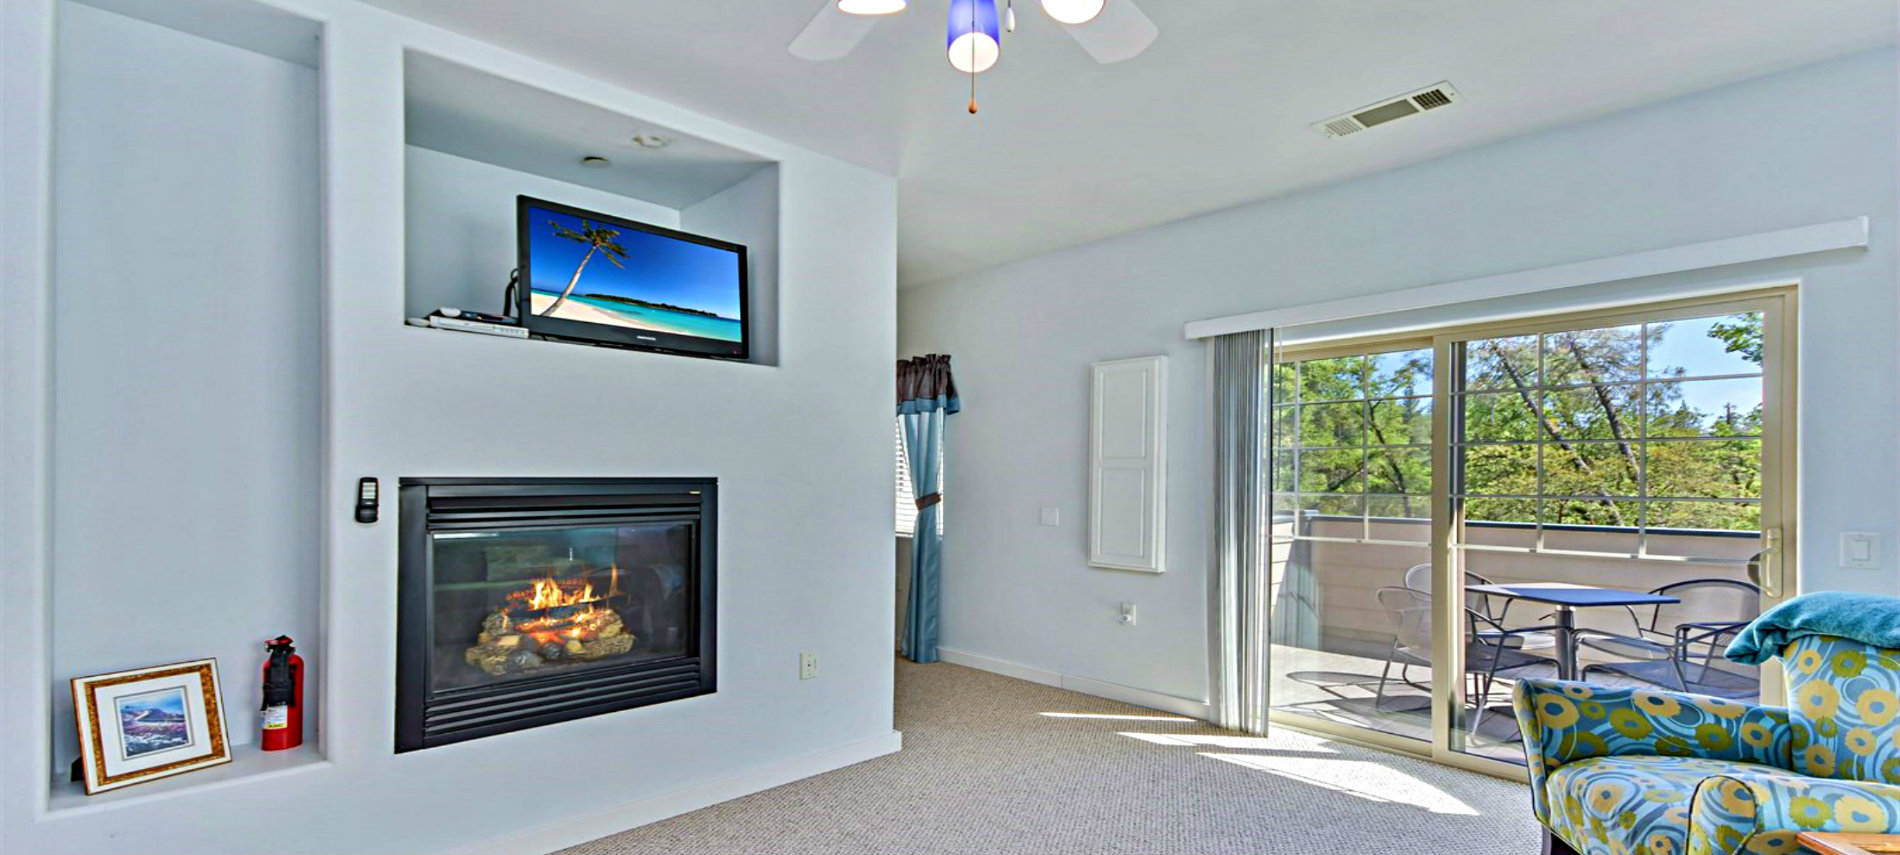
(186, 479)
(476, 140)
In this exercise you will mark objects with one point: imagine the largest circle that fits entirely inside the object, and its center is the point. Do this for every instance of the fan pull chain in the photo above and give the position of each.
(973, 60)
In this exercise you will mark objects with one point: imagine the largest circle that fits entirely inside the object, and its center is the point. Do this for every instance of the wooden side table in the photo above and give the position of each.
(1844, 843)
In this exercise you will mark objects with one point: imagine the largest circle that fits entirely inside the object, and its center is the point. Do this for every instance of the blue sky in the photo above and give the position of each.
(1688, 345)
(658, 269)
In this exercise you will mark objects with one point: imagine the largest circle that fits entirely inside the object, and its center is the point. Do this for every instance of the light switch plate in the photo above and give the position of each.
(1051, 516)
(1860, 550)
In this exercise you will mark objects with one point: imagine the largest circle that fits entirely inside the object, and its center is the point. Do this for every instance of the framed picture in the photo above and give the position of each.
(149, 723)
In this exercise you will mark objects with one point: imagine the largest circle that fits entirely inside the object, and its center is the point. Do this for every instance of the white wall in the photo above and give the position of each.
(461, 221)
(186, 356)
(747, 213)
(802, 451)
(1807, 146)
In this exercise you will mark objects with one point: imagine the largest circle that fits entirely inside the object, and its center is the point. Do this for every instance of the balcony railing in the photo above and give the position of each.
(1332, 637)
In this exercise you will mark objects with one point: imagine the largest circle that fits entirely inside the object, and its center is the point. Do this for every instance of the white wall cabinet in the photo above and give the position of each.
(1128, 440)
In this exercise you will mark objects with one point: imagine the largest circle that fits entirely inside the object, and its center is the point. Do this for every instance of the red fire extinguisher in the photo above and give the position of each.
(283, 695)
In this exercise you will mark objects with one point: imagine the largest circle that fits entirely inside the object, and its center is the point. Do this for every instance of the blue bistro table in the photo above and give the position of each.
(1568, 598)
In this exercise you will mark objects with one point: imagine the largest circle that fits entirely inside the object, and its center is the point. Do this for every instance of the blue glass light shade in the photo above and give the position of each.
(975, 39)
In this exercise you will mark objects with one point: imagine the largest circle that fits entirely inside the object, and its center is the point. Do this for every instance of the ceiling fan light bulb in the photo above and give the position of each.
(984, 47)
(871, 7)
(975, 39)
(1073, 11)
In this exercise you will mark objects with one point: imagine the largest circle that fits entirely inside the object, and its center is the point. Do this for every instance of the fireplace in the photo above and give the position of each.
(530, 601)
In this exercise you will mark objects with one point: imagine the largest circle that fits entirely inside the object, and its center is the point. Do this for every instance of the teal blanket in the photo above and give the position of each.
(1866, 618)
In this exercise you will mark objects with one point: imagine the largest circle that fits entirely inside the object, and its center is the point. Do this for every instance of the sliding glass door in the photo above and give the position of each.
(1598, 496)
(1351, 514)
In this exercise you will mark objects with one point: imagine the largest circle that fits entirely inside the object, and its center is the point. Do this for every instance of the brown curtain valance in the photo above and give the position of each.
(924, 383)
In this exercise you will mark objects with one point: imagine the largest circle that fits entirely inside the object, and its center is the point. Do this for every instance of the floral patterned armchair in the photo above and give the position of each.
(1618, 771)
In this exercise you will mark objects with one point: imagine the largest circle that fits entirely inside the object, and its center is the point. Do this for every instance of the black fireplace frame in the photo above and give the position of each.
(426, 718)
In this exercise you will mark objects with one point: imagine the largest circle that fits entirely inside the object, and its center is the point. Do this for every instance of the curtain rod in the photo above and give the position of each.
(1822, 237)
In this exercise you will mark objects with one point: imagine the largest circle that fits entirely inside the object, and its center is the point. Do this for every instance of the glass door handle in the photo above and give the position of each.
(1766, 568)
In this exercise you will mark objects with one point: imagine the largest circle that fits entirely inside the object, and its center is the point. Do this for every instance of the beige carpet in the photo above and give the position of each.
(985, 770)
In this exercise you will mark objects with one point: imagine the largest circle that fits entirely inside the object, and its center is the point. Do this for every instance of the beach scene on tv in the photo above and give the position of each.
(601, 273)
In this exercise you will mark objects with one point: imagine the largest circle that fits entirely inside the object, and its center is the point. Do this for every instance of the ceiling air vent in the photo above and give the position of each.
(1432, 97)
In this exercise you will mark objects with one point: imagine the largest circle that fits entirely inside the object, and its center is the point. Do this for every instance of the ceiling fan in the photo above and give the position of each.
(1110, 30)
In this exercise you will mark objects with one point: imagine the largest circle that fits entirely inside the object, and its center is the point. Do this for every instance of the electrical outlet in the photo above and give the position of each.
(807, 665)
(1128, 614)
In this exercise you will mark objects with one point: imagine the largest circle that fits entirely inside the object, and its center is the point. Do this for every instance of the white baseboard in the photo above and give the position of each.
(1101, 689)
(690, 798)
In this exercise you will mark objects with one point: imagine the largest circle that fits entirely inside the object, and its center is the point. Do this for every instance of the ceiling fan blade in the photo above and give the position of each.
(1121, 31)
(831, 34)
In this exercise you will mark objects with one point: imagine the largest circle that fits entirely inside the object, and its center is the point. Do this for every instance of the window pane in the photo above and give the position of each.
(1703, 347)
(1333, 424)
(1335, 505)
(1332, 470)
(1284, 380)
(1501, 363)
(1716, 469)
(1501, 470)
(1399, 470)
(1592, 469)
(1399, 374)
(1286, 426)
(1407, 518)
(1406, 421)
(1341, 379)
(1606, 355)
(1402, 507)
(1500, 510)
(1282, 470)
(1609, 527)
(1726, 516)
(1499, 417)
(1592, 512)
(1706, 408)
(1594, 412)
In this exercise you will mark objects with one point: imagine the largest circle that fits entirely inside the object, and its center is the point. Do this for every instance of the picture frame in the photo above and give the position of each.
(149, 723)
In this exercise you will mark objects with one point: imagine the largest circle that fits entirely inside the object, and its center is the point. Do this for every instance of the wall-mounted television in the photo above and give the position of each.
(588, 276)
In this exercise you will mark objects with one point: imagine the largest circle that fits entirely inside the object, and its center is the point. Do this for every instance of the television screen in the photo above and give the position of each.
(598, 278)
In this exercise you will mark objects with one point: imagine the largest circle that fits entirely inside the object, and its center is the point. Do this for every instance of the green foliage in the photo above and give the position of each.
(1742, 334)
(1575, 419)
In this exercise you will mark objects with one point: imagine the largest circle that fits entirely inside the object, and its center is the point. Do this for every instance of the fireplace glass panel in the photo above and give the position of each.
(518, 604)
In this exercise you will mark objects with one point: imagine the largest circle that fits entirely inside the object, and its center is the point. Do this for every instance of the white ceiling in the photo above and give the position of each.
(1215, 114)
(458, 110)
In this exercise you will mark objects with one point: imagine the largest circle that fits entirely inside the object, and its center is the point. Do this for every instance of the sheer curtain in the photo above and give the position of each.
(1241, 543)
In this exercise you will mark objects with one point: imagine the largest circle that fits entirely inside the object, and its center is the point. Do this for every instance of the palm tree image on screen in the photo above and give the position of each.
(599, 239)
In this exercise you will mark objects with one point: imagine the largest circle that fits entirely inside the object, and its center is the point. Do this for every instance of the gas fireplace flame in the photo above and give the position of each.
(551, 620)
(548, 592)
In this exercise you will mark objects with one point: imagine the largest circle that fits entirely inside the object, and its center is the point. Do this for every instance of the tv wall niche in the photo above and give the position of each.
(467, 159)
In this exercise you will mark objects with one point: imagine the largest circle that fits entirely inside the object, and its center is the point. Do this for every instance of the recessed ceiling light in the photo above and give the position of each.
(595, 161)
(651, 141)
